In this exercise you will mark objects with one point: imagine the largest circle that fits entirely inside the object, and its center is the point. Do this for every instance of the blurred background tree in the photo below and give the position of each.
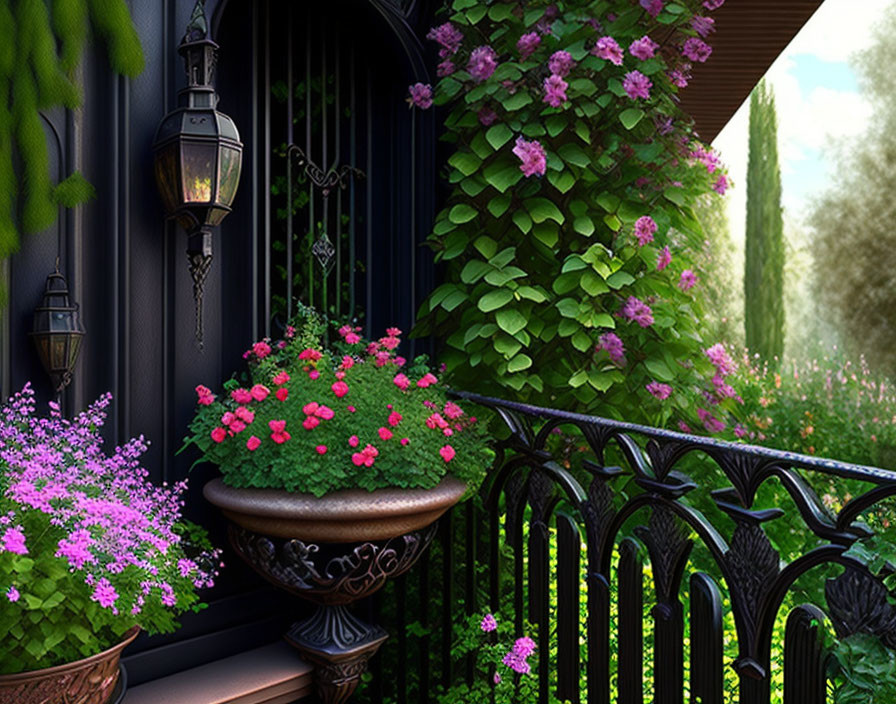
(854, 250)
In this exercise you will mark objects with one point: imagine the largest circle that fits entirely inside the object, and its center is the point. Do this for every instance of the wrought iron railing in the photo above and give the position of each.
(608, 519)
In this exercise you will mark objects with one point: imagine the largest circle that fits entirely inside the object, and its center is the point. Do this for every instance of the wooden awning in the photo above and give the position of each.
(749, 36)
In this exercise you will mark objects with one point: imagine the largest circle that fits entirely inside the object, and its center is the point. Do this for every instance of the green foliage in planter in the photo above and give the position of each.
(43, 41)
(315, 418)
(540, 268)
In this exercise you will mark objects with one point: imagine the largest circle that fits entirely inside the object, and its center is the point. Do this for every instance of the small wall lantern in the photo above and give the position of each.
(57, 331)
(198, 155)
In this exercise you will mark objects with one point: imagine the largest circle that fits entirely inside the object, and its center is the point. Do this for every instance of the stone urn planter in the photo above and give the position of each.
(92, 680)
(332, 551)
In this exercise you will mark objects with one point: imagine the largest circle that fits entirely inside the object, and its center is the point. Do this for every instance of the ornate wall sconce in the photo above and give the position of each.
(198, 155)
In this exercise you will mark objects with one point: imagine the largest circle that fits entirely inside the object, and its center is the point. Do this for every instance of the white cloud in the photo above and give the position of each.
(838, 28)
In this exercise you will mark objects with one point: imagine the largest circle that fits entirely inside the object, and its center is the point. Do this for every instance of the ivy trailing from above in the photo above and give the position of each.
(43, 41)
(569, 236)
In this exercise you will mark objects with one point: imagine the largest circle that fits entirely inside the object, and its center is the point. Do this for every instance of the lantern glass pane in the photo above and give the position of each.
(199, 172)
(62, 321)
(230, 175)
(58, 352)
(166, 177)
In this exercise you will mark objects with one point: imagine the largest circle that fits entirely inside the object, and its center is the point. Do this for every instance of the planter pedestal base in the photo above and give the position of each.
(339, 645)
(333, 551)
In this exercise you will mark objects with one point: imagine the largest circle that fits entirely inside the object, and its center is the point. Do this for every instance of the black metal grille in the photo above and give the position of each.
(345, 169)
(679, 581)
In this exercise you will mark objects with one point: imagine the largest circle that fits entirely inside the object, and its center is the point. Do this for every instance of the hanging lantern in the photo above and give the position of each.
(57, 331)
(198, 155)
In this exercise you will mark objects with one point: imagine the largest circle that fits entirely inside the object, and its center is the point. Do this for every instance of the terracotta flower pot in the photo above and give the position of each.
(91, 680)
(333, 550)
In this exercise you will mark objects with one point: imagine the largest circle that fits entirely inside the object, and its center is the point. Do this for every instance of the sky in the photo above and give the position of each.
(817, 99)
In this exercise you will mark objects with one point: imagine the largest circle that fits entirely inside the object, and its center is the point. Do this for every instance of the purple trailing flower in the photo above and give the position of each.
(487, 116)
(561, 63)
(14, 541)
(527, 44)
(696, 49)
(703, 25)
(637, 311)
(12, 594)
(681, 75)
(645, 227)
(532, 156)
(488, 623)
(610, 342)
(653, 7)
(421, 95)
(524, 647)
(710, 422)
(664, 258)
(555, 90)
(445, 68)
(713, 4)
(664, 125)
(637, 85)
(688, 280)
(516, 663)
(104, 594)
(607, 48)
(448, 37)
(643, 48)
(721, 184)
(482, 64)
(718, 355)
(659, 391)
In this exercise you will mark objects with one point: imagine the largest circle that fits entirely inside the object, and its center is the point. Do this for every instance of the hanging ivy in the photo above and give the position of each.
(43, 41)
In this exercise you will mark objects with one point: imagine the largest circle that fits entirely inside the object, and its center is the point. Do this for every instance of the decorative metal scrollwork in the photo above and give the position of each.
(325, 180)
(668, 543)
(329, 573)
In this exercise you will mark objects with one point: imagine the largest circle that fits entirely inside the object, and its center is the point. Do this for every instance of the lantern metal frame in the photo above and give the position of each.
(57, 331)
(198, 155)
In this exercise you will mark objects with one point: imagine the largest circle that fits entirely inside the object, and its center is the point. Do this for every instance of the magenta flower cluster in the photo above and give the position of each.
(98, 513)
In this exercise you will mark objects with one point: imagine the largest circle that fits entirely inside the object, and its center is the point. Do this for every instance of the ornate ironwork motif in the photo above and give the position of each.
(754, 564)
(334, 628)
(858, 604)
(667, 541)
(200, 264)
(741, 471)
(330, 573)
(513, 490)
(324, 251)
(663, 456)
(541, 489)
(598, 512)
(334, 176)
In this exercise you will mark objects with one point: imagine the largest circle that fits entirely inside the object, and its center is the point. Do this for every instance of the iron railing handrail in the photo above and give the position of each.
(876, 475)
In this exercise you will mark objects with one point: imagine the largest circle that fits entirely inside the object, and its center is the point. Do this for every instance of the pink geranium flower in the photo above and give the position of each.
(218, 434)
(401, 381)
(252, 443)
(447, 453)
(259, 392)
(340, 388)
(241, 396)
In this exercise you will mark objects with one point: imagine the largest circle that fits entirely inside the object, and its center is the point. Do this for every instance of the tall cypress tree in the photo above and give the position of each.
(764, 270)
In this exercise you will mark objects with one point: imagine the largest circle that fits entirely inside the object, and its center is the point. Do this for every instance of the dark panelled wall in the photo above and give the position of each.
(127, 268)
